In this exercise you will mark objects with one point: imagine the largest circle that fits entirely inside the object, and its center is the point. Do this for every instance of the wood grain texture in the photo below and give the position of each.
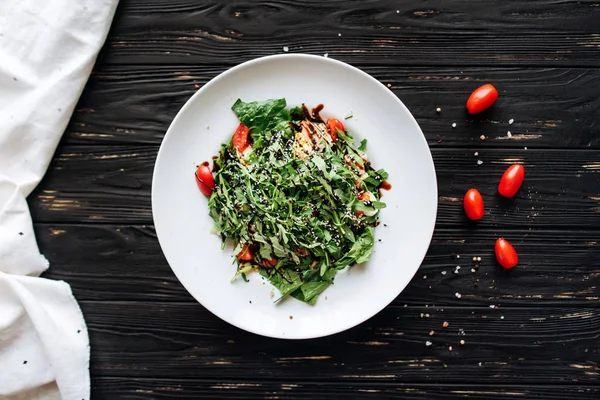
(112, 185)
(557, 268)
(390, 33)
(141, 388)
(177, 340)
(551, 107)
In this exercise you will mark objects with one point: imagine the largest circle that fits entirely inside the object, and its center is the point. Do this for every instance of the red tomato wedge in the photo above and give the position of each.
(205, 179)
(512, 180)
(246, 254)
(506, 254)
(269, 263)
(333, 125)
(240, 138)
(482, 98)
(473, 204)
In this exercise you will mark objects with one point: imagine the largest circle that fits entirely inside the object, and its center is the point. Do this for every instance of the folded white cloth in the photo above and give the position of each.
(47, 51)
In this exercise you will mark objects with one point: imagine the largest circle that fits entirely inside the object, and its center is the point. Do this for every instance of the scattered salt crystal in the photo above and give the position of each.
(480, 364)
(422, 315)
(478, 259)
(286, 49)
(508, 134)
(454, 124)
(457, 256)
(445, 324)
(502, 317)
(476, 153)
(472, 269)
(426, 315)
(462, 342)
(443, 272)
(389, 85)
(339, 34)
(438, 110)
(397, 11)
(458, 267)
(326, 55)
(524, 148)
(431, 333)
(428, 343)
(492, 306)
(424, 276)
(450, 348)
(479, 162)
(406, 305)
(510, 121)
(458, 295)
(482, 137)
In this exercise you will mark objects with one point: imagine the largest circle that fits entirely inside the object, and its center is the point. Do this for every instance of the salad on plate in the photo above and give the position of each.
(296, 196)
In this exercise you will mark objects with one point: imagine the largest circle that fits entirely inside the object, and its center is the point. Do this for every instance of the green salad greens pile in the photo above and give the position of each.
(300, 202)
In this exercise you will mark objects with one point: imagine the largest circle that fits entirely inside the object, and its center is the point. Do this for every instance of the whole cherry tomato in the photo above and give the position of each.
(483, 97)
(473, 203)
(246, 254)
(506, 254)
(511, 180)
(240, 138)
(333, 125)
(205, 179)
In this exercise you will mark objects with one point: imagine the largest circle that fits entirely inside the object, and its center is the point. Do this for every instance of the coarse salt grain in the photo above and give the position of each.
(482, 137)
(454, 124)
(286, 49)
(389, 85)
(502, 317)
(480, 364)
(457, 256)
(339, 34)
(476, 153)
(397, 11)
(426, 315)
(424, 276)
(492, 306)
(462, 342)
(524, 148)
(508, 134)
(479, 162)
(458, 295)
(474, 259)
(450, 348)
(326, 55)
(445, 324)
(510, 121)
(478, 259)
(438, 110)
(443, 272)
(428, 343)
(472, 269)
(431, 333)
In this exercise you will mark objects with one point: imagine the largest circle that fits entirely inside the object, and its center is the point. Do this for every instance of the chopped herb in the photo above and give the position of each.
(349, 116)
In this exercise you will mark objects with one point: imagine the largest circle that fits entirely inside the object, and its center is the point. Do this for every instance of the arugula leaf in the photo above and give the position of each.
(263, 116)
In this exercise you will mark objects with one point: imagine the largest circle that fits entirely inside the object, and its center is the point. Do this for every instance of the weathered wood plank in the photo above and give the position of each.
(517, 345)
(112, 185)
(142, 388)
(557, 268)
(364, 32)
(551, 107)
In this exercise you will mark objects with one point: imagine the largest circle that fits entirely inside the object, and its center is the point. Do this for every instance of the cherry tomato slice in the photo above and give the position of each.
(269, 263)
(473, 204)
(333, 125)
(246, 254)
(240, 138)
(205, 179)
(506, 254)
(482, 98)
(512, 180)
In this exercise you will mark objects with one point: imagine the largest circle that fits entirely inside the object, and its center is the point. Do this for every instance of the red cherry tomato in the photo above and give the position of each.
(511, 180)
(246, 254)
(240, 138)
(506, 254)
(473, 203)
(333, 125)
(205, 179)
(483, 97)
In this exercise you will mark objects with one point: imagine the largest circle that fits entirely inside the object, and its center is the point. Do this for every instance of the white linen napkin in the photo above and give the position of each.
(47, 51)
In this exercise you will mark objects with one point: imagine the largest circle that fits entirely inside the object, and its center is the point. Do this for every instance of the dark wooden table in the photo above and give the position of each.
(531, 333)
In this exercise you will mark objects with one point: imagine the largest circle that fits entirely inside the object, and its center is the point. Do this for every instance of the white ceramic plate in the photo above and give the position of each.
(395, 142)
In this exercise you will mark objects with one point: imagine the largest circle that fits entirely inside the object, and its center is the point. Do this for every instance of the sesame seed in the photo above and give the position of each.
(462, 342)
(478, 259)
(474, 259)
(389, 85)
(424, 276)
(454, 124)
